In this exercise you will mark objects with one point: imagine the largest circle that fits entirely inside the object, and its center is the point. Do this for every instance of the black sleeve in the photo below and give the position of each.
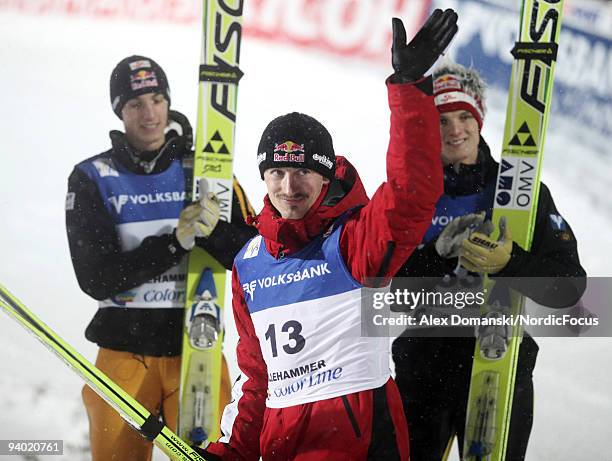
(227, 239)
(553, 256)
(423, 270)
(102, 269)
(426, 262)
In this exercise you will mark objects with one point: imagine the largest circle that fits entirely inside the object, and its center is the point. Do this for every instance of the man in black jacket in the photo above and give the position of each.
(433, 374)
(130, 225)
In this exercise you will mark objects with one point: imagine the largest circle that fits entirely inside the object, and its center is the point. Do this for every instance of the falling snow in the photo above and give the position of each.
(57, 112)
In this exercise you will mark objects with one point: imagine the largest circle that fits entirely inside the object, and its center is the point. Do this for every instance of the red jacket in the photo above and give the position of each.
(383, 232)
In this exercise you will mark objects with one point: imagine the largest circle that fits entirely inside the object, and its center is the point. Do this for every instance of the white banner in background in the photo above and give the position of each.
(362, 29)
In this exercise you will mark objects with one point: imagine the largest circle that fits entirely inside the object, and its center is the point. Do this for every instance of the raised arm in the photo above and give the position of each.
(386, 231)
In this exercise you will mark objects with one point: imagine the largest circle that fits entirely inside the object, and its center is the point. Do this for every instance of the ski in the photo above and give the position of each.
(516, 197)
(130, 410)
(201, 365)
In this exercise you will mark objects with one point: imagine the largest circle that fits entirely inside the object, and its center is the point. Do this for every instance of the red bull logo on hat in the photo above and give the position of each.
(446, 82)
(143, 79)
(288, 147)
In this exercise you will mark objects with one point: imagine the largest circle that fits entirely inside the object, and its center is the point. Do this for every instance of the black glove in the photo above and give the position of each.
(411, 61)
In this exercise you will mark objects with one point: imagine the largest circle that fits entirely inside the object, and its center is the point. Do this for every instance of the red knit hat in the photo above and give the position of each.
(459, 88)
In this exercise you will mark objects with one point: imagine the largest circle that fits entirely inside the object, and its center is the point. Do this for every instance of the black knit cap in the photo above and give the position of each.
(134, 76)
(298, 141)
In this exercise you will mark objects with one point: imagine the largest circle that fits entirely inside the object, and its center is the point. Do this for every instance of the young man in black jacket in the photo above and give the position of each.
(130, 224)
(433, 374)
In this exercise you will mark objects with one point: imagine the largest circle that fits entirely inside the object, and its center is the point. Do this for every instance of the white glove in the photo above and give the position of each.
(198, 219)
(450, 240)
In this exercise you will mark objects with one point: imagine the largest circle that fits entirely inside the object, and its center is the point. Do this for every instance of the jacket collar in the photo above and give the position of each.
(286, 236)
(178, 141)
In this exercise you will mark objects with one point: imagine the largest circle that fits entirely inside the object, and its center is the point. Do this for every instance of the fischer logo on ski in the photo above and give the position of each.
(219, 74)
(516, 198)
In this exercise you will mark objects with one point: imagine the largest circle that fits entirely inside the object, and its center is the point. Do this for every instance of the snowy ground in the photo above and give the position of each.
(56, 112)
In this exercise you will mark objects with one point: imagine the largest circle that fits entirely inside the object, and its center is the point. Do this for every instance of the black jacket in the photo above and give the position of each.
(434, 373)
(104, 270)
(553, 253)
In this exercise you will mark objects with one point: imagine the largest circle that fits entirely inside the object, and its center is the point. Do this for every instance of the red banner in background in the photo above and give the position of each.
(359, 28)
(177, 11)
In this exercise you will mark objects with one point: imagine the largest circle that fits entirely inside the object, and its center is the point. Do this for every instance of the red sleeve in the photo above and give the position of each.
(402, 208)
(243, 417)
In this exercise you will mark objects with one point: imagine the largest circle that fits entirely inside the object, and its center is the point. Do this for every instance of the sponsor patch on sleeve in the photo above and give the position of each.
(70, 196)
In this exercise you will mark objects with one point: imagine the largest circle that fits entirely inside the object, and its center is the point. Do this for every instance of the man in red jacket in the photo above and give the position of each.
(312, 387)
